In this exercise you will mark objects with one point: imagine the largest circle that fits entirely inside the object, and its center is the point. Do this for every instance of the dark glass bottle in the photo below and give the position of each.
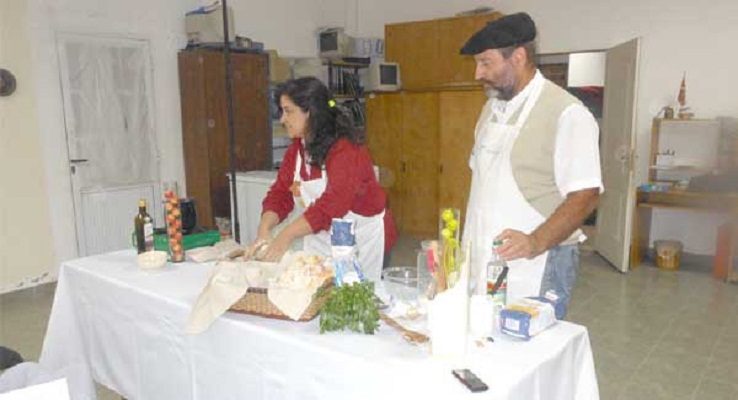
(144, 227)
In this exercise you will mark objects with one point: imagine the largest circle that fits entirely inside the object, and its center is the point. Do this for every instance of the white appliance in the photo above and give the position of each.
(383, 77)
(251, 188)
(334, 43)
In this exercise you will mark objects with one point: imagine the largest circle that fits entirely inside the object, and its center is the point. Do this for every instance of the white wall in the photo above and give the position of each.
(26, 250)
(161, 22)
(677, 36)
(43, 193)
(287, 26)
(364, 18)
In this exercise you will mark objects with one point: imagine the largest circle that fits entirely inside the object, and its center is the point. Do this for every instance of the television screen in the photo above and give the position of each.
(328, 41)
(388, 74)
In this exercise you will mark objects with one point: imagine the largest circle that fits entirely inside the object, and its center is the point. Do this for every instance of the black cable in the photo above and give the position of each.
(231, 133)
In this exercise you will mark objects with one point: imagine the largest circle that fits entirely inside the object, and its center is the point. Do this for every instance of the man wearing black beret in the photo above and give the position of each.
(535, 166)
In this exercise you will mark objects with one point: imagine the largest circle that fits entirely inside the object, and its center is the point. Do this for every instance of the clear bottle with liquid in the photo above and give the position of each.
(144, 228)
(495, 268)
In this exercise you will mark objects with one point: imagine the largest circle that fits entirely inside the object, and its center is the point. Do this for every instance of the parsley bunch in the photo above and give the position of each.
(350, 307)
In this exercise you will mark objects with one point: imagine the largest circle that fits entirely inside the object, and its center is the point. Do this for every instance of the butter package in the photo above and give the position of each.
(528, 317)
(343, 252)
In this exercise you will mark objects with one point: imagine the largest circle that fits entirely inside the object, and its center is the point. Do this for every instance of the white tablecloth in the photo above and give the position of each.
(127, 327)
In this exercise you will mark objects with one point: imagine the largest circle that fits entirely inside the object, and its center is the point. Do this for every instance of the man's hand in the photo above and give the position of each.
(517, 244)
(560, 225)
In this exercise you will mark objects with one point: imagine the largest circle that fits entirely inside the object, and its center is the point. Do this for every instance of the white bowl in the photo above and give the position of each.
(152, 259)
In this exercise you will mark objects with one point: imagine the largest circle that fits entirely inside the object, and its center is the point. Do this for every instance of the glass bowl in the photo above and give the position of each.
(401, 283)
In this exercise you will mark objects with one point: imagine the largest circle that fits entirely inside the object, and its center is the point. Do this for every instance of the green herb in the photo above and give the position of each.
(350, 307)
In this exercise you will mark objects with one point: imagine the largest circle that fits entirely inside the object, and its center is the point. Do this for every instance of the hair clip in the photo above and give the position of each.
(331, 103)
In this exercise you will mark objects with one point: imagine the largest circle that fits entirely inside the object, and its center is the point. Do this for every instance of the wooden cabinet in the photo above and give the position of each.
(205, 139)
(415, 47)
(422, 141)
(459, 111)
(428, 51)
(402, 134)
(420, 163)
(384, 138)
(422, 137)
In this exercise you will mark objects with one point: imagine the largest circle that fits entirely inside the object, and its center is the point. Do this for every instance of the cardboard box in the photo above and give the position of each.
(279, 68)
(207, 27)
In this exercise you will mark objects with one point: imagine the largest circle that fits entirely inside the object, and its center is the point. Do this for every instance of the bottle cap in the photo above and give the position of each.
(142, 203)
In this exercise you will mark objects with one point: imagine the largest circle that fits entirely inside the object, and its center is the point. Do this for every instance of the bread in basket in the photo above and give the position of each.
(298, 293)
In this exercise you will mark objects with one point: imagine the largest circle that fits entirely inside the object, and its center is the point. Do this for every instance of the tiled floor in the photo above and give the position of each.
(655, 334)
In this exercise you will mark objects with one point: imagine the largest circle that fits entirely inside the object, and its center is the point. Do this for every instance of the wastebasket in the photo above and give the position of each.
(668, 253)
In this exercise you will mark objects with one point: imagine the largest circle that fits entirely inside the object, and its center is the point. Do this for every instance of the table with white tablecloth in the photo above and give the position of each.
(126, 326)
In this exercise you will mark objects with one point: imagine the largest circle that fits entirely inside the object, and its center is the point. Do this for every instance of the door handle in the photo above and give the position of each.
(75, 162)
(622, 154)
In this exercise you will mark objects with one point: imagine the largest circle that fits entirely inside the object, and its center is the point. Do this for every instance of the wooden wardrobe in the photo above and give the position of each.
(421, 137)
(205, 140)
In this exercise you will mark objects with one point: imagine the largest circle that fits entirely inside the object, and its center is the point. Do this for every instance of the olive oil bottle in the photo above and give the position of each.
(144, 227)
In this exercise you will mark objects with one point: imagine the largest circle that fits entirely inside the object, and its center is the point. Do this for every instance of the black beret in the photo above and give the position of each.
(510, 30)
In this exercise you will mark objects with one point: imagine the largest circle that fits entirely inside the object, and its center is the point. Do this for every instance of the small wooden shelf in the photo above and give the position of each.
(702, 130)
(678, 168)
(646, 202)
(339, 96)
(346, 64)
(345, 83)
(684, 121)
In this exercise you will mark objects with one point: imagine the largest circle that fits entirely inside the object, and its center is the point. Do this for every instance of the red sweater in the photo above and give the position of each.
(352, 186)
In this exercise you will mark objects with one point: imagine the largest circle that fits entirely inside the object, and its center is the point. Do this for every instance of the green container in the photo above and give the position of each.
(191, 241)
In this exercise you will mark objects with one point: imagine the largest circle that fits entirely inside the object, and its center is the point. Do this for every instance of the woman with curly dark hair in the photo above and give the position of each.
(327, 170)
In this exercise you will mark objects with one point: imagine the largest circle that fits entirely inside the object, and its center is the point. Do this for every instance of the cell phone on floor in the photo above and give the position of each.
(471, 381)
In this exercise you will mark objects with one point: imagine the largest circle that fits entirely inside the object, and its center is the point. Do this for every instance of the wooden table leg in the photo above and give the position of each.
(732, 233)
(721, 262)
(641, 235)
(635, 251)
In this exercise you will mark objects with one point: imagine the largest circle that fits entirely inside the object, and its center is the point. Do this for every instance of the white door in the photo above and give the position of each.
(108, 104)
(617, 147)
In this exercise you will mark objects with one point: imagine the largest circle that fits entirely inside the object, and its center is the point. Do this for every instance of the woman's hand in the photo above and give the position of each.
(269, 220)
(258, 245)
(276, 249)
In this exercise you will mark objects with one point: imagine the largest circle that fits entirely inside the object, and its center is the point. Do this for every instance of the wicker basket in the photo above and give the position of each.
(256, 302)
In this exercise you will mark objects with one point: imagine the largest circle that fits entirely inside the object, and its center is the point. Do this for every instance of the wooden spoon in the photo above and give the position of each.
(411, 336)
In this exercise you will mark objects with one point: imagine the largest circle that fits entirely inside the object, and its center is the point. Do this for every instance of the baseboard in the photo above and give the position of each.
(29, 282)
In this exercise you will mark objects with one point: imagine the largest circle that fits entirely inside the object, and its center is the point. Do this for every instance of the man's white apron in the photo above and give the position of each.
(496, 203)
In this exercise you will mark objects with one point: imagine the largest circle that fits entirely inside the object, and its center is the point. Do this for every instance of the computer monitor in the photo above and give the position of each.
(334, 43)
(384, 76)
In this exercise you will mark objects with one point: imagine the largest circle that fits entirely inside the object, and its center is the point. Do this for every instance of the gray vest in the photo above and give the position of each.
(532, 158)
